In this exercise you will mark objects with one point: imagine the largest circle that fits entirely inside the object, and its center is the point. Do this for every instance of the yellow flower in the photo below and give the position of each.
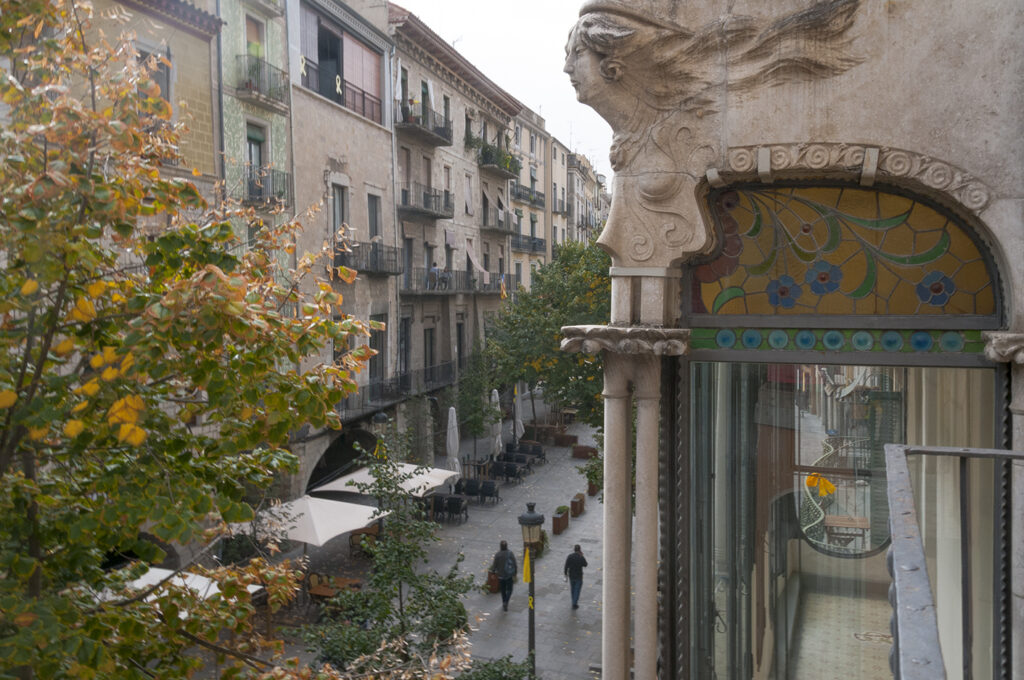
(132, 434)
(29, 287)
(95, 289)
(83, 310)
(7, 398)
(109, 373)
(64, 347)
(73, 428)
(37, 433)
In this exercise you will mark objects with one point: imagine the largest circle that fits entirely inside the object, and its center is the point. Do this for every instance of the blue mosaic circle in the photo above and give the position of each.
(805, 339)
(951, 342)
(921, 341)
(833, 340)
(778, 339)
(862, 341)
(725, 338)
(751, 338)
(892, 341)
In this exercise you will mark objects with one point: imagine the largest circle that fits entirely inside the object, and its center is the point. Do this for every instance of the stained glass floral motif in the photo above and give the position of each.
(840, 251)
(836, 340)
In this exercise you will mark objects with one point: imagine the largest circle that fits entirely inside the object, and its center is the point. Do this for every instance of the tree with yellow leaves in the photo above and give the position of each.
(148, 378)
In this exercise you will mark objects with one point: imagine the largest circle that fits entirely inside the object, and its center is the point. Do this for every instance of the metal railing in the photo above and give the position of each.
(528, 244)
(436, 281)
(498, 220)
(916, 649)
(265, 186)
(423, 119)
(423, 200)
(494, 158)
(257, 78)
(362, 103)
(371, 258)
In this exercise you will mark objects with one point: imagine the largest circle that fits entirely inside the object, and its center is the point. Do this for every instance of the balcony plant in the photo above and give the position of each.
(560, 520)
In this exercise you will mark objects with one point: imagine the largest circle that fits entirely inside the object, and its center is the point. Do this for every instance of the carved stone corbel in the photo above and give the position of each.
(1004, 346)
(641, 340)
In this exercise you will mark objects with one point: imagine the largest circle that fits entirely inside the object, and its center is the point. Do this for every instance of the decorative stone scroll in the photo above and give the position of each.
(1003, 346)
(641, 340)
(825, 158)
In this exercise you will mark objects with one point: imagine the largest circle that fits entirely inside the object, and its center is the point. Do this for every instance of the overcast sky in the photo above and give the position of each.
(521, 47)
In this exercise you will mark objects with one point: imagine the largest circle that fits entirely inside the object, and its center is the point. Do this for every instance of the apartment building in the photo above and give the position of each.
(530, 207)
(558, 172)
(256, 158)
(583, 196)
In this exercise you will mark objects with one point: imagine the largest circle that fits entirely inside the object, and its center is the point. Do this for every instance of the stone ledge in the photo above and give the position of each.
(626, 340)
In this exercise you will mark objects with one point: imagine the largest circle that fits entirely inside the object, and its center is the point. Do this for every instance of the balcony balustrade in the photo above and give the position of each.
(371, 258)
(265, 187)
(416, 200)
(528, 244)
(494, 159)
(558, 206)
(495, 219)
(528, 195)
(424, 124)
(260, 83)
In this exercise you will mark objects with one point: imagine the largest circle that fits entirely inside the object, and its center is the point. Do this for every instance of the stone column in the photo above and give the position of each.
(647, 382)
(617, 518)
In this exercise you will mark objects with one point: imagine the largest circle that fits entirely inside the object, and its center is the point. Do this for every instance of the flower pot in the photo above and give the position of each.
(576, 505)
(563, 439)
(592, 489)
(559, 522)
(584, 452)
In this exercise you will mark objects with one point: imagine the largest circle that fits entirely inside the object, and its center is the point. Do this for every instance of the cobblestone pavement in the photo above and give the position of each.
(568, 641)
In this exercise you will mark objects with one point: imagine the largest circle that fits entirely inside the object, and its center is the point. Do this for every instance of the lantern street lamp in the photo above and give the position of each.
(531, 522)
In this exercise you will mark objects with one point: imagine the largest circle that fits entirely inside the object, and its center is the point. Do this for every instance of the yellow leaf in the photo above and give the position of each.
(95, 289)
(29, 287)
(90, 388)
(96, 361)
(110, 373)
(127, 362)
(83, 310)
(7, 398)
(245, 413)
(73, 428)
(131, 434)
(109, 354)
(64, 347)
(125, 410)
(37, 433)
(80, 406)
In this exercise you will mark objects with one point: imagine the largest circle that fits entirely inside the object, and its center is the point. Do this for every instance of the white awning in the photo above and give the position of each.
(476, 263)
(420, 482)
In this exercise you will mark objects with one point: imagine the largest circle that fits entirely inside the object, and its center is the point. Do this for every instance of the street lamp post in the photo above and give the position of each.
(531, 522)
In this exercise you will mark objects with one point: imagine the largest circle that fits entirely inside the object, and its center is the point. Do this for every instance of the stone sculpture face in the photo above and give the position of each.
(661, 86)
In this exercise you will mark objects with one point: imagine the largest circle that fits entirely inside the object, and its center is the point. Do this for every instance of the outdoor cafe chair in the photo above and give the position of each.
(457, 508)
(472, 488)
(489, 489)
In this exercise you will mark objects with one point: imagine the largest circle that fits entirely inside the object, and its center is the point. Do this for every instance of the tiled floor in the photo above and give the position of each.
(842, 638)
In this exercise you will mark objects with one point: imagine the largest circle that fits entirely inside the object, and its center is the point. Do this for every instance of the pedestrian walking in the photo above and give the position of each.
(504, 566)
(573, 569)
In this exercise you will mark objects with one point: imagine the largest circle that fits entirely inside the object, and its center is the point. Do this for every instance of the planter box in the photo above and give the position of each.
(592, 489)
(584, 452)
(559, 522)
(576, 505)
(562, 439)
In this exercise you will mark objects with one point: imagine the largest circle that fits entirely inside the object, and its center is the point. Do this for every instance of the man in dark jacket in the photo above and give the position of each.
(504, 566)
(574, 564)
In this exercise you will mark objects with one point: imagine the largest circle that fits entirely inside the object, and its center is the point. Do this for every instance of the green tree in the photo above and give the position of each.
(149, 374)
(475, 410)
(573, 289)
(413, 610)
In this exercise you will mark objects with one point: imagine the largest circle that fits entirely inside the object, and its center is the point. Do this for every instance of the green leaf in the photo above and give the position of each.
(765, 266)
(870, 276)
(880, 224)
(725, 296)
(931, 254)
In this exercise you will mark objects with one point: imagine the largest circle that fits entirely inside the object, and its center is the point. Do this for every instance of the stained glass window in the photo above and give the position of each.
(838, 250)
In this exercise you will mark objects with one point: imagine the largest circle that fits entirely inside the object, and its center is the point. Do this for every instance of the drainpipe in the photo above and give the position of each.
(220, 110)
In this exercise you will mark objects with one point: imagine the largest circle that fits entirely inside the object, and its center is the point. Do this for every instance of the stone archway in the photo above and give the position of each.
(341, 455)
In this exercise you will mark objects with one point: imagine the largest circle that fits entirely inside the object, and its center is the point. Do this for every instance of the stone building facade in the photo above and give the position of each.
(815, 233)
(531, 207)
(559, 173)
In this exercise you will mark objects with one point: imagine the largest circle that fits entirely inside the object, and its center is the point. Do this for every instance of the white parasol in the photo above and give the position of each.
(451, 443)
(420, 480)
(317, 520)
(496, 426)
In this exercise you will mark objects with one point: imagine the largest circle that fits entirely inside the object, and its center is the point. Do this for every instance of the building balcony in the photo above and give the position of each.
(257, 82)
(416, 201)
(495, 160)
(423, 124)
(558, 206)
(528, 195)
(498, 220)
(273, 8)
(371, 258)
(528, 244)
(266, 188)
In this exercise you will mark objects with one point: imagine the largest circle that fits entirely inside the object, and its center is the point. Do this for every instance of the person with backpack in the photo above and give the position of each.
(504, 566)
(573, 571)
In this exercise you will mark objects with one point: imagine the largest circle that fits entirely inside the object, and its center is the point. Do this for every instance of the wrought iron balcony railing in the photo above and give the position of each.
(528, 244)
(259, 81)
(498, 161)
(266, 187)
(371, 258)
(415, 199)
(917, 652)
(425, 124)
(498, 220)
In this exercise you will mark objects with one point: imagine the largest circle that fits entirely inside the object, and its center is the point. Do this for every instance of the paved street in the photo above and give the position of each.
(568, 641)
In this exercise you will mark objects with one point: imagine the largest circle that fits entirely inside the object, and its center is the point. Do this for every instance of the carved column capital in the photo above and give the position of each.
(641, 340)
(1003, 346)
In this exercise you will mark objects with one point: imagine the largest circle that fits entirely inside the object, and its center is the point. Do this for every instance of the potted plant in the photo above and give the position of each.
(560, 520)
(577, 504)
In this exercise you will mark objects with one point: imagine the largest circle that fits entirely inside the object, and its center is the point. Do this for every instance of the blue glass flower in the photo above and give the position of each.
(935, 289)
(823, 277)
(783, 292)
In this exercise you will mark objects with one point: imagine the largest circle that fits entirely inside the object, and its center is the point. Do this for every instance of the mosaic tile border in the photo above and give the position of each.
(838, 340)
